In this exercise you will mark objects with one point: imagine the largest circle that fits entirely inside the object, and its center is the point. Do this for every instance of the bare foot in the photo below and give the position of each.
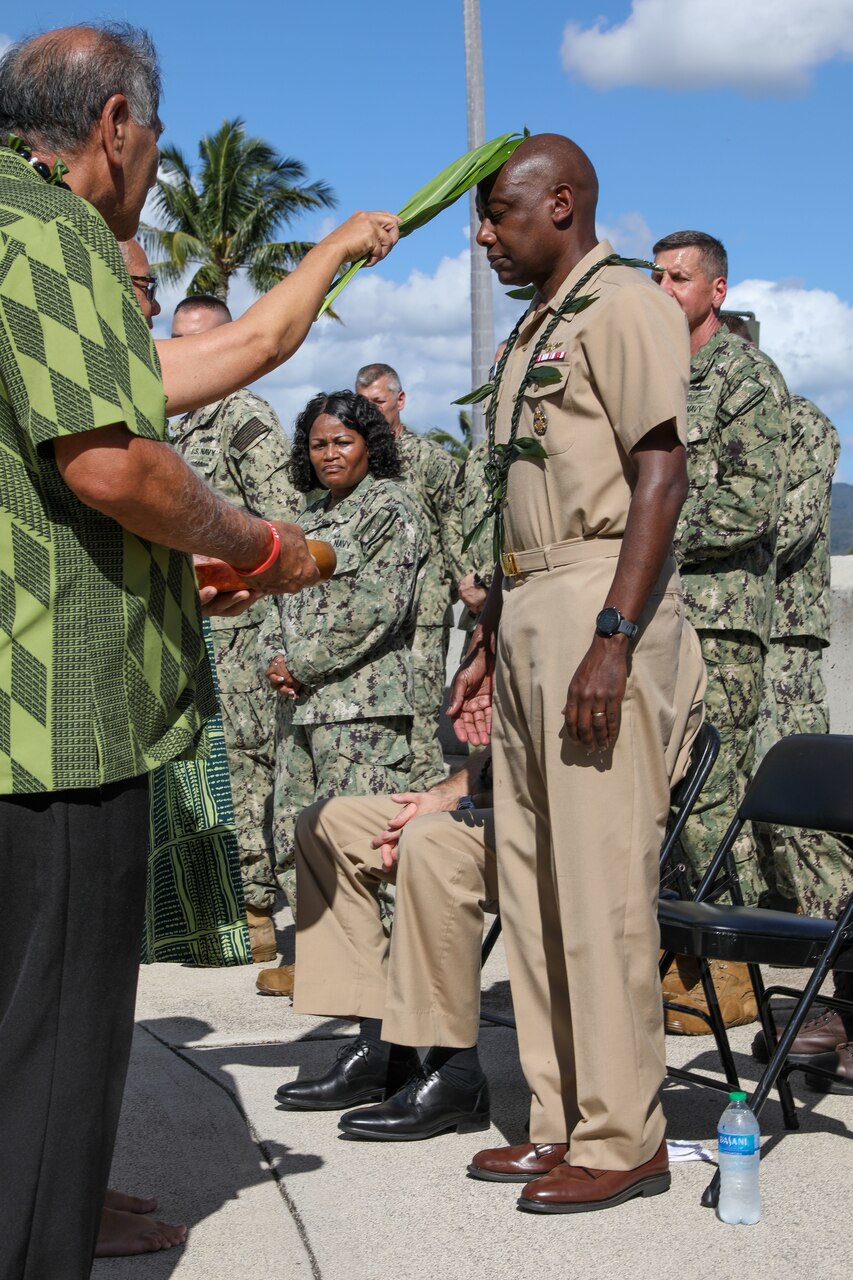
(123, 1234)
(130, 1204)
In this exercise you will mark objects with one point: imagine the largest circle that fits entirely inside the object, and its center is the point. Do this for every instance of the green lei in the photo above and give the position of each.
(52, 176)
(502, 456)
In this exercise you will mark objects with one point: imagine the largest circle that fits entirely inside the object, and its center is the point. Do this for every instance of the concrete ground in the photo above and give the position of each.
(272, 1193)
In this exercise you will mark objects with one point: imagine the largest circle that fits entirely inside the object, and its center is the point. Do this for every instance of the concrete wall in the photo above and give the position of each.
(838, 658)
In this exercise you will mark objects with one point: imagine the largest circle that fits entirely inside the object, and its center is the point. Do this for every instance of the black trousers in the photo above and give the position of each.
(72, 888)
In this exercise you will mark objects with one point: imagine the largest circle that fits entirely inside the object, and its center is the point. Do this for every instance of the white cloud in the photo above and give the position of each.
(808, 332)
(756, 46)
(629, 234)
(421, 326)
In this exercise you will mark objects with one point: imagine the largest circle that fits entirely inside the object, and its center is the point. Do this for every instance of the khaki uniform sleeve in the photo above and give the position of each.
(640, 361)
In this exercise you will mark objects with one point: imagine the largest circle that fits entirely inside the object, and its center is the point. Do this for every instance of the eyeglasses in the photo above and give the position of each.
(148, 284)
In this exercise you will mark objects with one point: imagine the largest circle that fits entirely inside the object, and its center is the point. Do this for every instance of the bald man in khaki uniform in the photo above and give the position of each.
(590, 601)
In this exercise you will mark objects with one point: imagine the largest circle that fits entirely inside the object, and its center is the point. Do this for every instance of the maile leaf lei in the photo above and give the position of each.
(502, 456)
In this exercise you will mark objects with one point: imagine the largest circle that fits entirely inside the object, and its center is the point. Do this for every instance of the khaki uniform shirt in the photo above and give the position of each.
(623, 371)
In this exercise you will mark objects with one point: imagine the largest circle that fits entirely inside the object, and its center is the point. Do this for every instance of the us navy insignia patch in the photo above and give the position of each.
(540, 420)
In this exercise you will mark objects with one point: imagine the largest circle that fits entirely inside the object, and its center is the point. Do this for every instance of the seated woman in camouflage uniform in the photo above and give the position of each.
(339, 654)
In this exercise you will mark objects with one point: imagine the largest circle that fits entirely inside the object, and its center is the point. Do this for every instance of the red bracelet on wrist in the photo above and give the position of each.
(271, 558)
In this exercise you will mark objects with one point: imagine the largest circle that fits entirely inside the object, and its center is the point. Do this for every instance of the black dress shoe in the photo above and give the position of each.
(362, 1073)
(425, 1107)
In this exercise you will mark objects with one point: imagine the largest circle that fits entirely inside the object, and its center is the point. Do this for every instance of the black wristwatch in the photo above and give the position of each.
(610, 621)
(466, 802)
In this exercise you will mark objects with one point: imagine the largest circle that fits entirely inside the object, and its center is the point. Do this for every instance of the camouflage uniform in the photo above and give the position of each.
(348, 642)
(725, 543)
(239, 447)
(812, 867)
(472, 498)
(429, 473)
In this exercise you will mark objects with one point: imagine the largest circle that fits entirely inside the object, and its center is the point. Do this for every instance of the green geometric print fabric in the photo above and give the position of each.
(103, 671)
(194, 908)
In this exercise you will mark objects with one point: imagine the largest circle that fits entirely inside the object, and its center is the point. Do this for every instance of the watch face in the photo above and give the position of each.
(607, 622)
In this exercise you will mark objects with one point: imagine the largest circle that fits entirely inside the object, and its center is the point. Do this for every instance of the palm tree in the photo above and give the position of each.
(223, 219)
(458, 449)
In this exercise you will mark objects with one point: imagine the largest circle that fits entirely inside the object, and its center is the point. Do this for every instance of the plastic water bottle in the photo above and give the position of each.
(739, 1151)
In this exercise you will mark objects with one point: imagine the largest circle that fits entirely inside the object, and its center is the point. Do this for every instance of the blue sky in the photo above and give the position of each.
(727, 115)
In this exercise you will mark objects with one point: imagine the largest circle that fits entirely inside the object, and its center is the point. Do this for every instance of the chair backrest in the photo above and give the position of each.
(686, 792)
(805, 780)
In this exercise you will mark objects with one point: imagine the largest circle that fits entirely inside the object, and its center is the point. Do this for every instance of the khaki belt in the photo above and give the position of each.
(516, 563)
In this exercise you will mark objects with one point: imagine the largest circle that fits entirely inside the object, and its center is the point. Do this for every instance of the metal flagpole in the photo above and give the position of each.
(482, 323)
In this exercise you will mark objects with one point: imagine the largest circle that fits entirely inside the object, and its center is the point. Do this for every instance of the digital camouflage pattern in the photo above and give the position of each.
(348, 642)
(473, 499)
(430, 474)
(315, 761)
(237, 444)
(104, 672)
(813, 867)
(801, 607)
(735, 664)
(738, 431)
(239, 447)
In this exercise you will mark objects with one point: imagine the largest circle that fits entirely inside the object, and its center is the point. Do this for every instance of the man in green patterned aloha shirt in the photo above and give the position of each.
(103, 672)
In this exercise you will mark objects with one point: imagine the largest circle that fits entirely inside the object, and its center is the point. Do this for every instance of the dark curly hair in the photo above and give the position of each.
(357, 413)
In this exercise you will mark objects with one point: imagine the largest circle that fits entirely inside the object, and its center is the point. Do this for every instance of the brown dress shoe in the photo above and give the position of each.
(276, 982)
(261, 934)
(841, 1062)
(819, 1034)
(517, 1164)
(734, 992)
(574, 1189)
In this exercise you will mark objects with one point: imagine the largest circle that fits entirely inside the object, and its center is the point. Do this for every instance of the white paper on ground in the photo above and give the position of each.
(678, 1151)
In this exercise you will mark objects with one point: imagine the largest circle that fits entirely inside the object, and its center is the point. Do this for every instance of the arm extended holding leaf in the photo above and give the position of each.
(201, 368)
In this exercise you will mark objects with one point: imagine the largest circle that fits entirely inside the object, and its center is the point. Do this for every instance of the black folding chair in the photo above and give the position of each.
(684, 796)
(803, 781)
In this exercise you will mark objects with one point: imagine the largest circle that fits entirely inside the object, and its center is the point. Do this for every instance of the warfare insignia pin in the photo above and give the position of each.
(540, 420)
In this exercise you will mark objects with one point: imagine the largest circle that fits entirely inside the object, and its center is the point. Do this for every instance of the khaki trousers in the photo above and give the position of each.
(424, 983)
(578, 840)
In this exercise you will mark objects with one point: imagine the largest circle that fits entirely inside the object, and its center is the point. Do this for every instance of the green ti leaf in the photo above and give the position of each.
(640, 263)
(522, 295)
(580, 303)
(474, 397)
(544, 374)
(441, 192)
(527, 447)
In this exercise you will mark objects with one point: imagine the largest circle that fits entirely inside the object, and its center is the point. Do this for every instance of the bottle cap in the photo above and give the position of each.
(737, 1096)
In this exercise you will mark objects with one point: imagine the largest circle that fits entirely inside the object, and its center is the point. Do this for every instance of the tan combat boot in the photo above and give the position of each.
(261, 933)
(276, 982)
(734, 993)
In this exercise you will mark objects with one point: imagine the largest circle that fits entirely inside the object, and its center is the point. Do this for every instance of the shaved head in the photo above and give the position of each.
(538, 212)
(548, 160)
